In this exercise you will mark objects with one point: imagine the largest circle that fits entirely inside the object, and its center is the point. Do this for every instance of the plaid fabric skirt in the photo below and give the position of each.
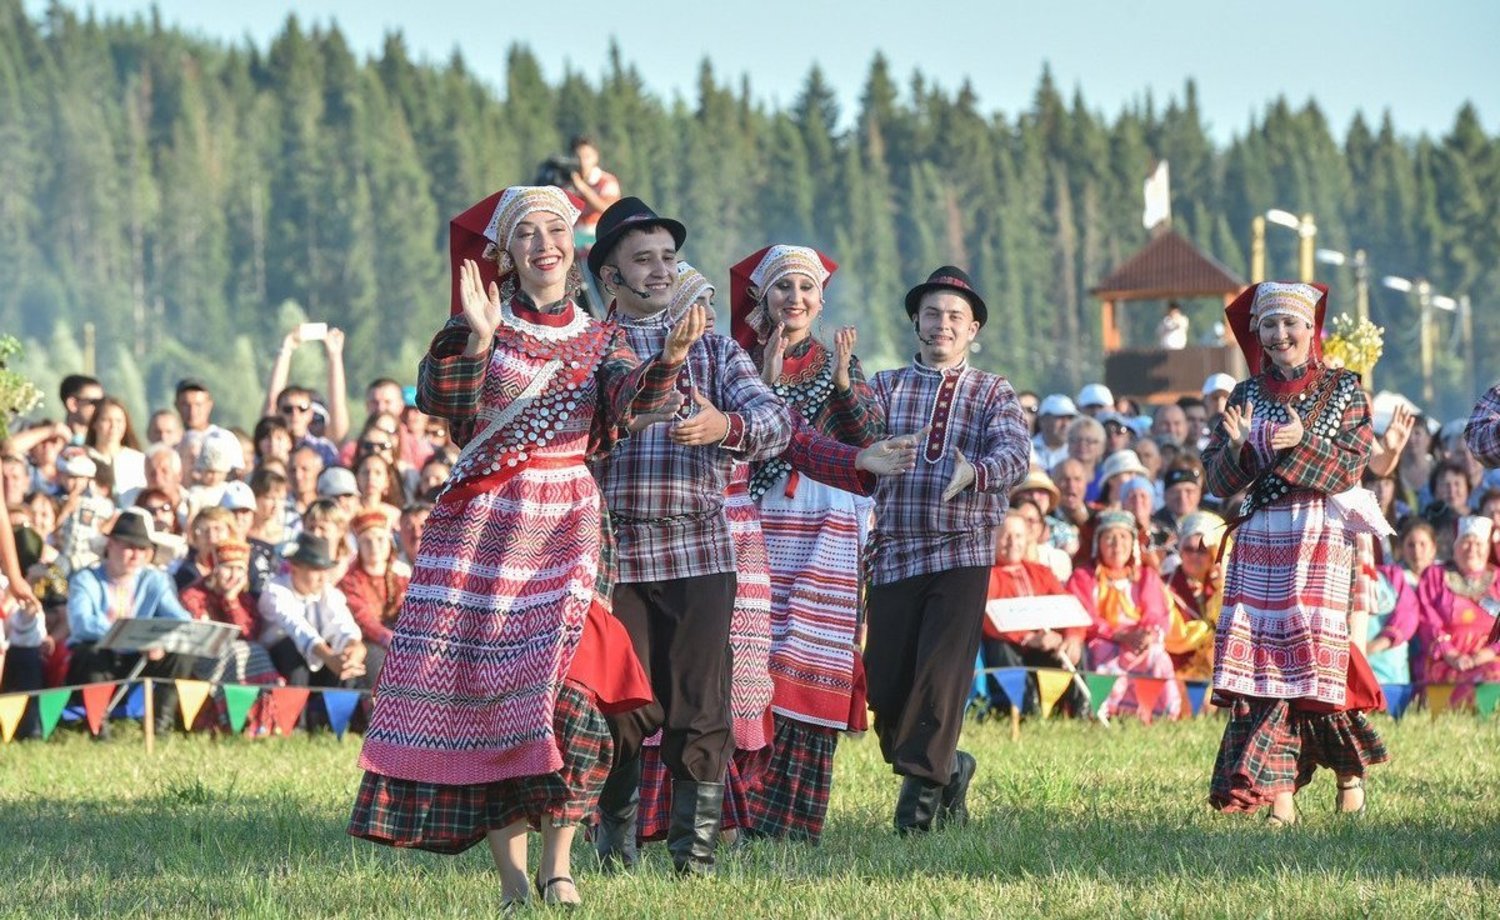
(655, 814)
(1270, 748)
(789, 799)
(450, 819)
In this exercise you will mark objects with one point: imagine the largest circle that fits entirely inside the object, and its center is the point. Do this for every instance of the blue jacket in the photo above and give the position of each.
(88, 602)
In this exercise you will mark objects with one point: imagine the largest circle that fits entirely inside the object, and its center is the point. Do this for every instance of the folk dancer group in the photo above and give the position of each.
(642, 596)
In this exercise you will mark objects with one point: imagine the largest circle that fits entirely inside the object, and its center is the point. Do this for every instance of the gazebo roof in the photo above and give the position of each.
(1169, 266)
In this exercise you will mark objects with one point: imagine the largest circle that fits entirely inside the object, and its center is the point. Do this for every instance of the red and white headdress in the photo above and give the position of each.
(748, 321)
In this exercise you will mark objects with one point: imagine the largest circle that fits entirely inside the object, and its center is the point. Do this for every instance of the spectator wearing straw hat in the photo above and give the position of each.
(124, 586)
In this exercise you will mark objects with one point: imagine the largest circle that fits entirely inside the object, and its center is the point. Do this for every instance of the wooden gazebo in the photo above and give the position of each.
(1169, 267)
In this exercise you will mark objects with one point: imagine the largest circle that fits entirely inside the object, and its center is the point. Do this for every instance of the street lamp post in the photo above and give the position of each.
(1307, 231)
(1428, 301)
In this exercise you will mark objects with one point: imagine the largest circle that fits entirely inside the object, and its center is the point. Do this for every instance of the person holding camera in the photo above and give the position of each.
(595, 187)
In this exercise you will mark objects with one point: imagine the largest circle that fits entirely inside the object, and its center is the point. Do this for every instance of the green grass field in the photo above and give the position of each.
(1072, 821)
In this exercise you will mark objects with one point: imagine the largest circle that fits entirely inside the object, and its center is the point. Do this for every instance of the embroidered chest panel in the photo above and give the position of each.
(1321, 407)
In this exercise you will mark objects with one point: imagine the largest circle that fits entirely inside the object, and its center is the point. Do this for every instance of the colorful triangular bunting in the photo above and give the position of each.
(1052, 684)
(1013, 684)
(49, 706)
(1397, 698)
(12, 707)
(1486, 695)
(191, 695)
(238, 699)
(95, 700)
(340, 705)
(1147, 693)
(286, 705)
(1196, 692)
(1100, 687)
(1439, 697)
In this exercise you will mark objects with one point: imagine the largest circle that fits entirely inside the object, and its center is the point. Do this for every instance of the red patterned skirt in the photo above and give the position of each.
(789, 799)
(450, 819)
(1270, 747)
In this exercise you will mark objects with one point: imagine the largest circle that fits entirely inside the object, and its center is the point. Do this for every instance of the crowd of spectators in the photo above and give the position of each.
(1115, 512)
(294, 532)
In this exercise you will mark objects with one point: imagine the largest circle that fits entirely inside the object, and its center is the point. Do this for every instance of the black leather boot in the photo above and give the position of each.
(954, 808)
(697, 814)
(619, 803)
(917, 805)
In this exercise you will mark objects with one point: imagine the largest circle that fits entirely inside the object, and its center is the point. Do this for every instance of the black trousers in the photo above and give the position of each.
(680, 630)
(91, 664)
(998, 653)
(922, 640)
(23, 674)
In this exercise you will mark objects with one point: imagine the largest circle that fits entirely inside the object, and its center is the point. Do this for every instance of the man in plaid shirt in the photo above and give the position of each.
(1483, 431)
(934, 546)
(674, 593)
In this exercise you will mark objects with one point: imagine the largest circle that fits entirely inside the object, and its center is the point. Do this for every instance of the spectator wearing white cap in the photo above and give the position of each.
(1049, 446)
(1095, 398)
(239, 501)
(219, 455)
(1216, 390)
(1118, 432)
(83, 514)
(339, 485)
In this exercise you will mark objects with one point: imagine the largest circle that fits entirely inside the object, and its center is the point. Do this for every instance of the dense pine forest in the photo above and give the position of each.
(193, 198)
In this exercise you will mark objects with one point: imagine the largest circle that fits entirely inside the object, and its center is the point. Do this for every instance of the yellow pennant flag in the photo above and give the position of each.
(1053, 684)
(1439, 696)
(12, 707)
(190, 696)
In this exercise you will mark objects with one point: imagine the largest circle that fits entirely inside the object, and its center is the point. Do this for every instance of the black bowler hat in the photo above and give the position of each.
(312, 552)
(952, 278)
(620, 218)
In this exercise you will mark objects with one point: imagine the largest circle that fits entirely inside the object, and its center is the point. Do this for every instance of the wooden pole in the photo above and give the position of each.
(1257, 249)
(1015, 722)
(1307, 250)
(150, 717)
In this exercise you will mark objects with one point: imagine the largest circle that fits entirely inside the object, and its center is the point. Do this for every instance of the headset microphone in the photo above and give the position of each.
(620, 281)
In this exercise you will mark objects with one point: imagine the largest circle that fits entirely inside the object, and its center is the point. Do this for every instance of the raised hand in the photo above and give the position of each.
(707, 426)
(1237, 424)
(775, 354)
(843, 352)
(1290, 434)
(1399, 430)
(481, 307)
(963, 475)
(333, 342)
(689, 329)
(666, 413)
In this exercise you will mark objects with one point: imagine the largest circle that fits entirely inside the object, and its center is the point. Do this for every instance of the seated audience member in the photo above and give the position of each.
(1395, 618)
(112, 442)
(219, 455)
(328, 519)
(239, 501)
(1196, 587)
(1013, 576)
(1136, 494)
(273, 440)
(210, 527)
(302, 476)
(268, 527)
(413, 522)
(432, 478)
(1181, 491)
(308, 630)
(1450, 501)
(1130, 610)
(1416, 545)
(380, 487)
(83, 514)
(124, 585)
(1457, 600)
(223, 596)
(374, 585)
(339, 485)
(1058, 561)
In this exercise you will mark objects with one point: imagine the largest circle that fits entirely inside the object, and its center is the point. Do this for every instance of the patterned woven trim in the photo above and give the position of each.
(521, 201)
(577, 324)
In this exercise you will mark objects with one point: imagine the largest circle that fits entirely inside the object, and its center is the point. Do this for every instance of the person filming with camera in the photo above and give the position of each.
(595, 187)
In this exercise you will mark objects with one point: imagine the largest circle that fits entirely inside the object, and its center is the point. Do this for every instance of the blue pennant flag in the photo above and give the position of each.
(340, 705)
(1397, 698)
(134, 704)
(1013, 684)
(1196, 691)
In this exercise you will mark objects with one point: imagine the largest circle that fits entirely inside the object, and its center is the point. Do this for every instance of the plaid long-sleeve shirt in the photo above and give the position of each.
(916, 532)
(1483, 431)
(666, 500)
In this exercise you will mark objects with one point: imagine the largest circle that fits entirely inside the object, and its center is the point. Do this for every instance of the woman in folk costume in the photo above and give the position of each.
(1128, 603)
(489, 714)
(1196, 587)
(813, 534)
(749, 632)
(1460, 601)
(1295, 437)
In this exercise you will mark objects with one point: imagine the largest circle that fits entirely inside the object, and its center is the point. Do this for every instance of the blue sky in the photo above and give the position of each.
(1420, 61)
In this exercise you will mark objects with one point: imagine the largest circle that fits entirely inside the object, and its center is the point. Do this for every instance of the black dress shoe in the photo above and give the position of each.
(917, 805)
(954, 809)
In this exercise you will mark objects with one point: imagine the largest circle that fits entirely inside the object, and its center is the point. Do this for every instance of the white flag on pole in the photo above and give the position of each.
(1158, 197)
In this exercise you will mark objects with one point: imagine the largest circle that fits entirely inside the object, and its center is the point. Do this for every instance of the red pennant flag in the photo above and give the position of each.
(95, 699)
(1184, 708)
(1147, 692)
(287, 704)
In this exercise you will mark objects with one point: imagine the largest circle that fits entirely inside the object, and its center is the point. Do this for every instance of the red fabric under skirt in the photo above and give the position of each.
(450, 819)
(789, 799)
(1271, 747)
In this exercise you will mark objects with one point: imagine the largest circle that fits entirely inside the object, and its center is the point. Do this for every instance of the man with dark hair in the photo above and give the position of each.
(295, 405)
(665, 486)
(194, 403)
(597, 188)
(80, 395)
(1197, 421)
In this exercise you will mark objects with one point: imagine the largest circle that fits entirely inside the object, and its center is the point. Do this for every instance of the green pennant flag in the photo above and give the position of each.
(238, 698)
(50, 706)
(1486, 695)
(1100, 686)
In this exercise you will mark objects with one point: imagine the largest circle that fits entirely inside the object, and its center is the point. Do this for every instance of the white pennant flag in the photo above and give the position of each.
(1158, 198)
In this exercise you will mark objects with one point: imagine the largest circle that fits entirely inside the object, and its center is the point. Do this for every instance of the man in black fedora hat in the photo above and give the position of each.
(665, 488)
(94, 603)
(934, 546)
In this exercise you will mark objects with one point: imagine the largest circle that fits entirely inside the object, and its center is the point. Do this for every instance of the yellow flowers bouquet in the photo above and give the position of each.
(17, 394)
(1354, 344)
